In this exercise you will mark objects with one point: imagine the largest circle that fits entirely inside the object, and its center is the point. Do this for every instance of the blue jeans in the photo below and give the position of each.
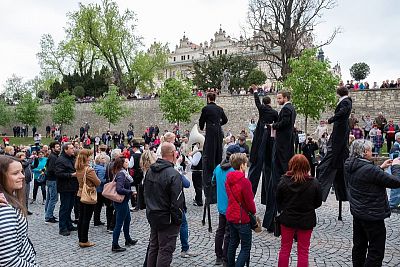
(122, 217)
(51, 199)
(240, 233)
(394, 200)
(67, 200)
(184, 233)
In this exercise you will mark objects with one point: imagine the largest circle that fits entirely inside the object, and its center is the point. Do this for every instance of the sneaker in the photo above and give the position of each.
(33, 201)
(110, 231)
(188, 254)
(75, 221)
(130, 242)
(52, 220)
(218, 261)
(29, 212)
(134, 209)
(43, 202)
(65, 233)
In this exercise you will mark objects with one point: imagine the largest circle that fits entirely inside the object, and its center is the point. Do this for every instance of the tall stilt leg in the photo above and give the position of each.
(209, 218)
(340, 211)
(203, 222)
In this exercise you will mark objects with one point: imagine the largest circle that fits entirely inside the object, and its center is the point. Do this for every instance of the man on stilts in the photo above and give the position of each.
(330, 170)
(212, 118)
(283, 151)
(261, 148)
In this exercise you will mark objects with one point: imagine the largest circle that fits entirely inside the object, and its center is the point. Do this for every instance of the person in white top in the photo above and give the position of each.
(321, 129)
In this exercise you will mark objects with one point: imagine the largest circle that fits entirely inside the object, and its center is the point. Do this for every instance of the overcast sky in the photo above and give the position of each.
(370, 29)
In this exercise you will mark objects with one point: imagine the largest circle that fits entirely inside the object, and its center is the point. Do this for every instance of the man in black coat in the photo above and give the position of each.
(261, 147)
(283, 151)
(330, 170)
(212, 117)
(67, 186)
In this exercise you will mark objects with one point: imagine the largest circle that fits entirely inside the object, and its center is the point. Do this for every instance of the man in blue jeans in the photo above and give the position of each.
(51, 182)
(67, 186)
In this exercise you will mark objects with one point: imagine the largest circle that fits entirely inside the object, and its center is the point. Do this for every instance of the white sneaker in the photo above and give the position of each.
(188, 254)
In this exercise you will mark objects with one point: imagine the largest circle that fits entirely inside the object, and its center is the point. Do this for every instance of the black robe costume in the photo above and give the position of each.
(283, 151)
(261, 148)
(213, 117)
(330, 169)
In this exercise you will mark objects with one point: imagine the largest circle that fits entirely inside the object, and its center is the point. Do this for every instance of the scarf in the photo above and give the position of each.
(127, 176)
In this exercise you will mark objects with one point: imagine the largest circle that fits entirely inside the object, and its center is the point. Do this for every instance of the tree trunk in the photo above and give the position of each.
(305, 124)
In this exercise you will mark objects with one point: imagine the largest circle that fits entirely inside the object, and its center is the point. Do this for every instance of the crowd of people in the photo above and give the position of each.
(119, 172)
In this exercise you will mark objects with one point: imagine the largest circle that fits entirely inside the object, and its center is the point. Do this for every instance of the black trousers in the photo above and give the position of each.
(222, 236)
(389, 143)
(162, 245)
(77, 205)
(85, 216)
(110, 214)
(369, 239)
(197, 178)
(36, 185)
(98, 207)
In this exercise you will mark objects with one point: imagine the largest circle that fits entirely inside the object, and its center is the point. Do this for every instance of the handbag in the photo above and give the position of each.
(277, 225)
(110, 192)
(255, 222)
(88, 193)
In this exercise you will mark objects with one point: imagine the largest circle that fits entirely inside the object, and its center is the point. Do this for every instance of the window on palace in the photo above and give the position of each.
(188, 57)
(174, 58)
(226, 51)
(213, 53)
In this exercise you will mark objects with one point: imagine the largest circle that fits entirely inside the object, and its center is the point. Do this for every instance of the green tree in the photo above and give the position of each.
(146, 66)
(27, 110)
(177, 101)
(208, 73)
(6, 114)
(112, 33)
(63, 112)
(15, 88)
(52, 57)
(359, 71)
(256, 76)
(111, 106)
(79, 91)
(312, 84)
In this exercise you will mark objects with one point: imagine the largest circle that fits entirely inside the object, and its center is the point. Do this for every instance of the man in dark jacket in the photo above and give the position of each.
(212, 117)
(261, 147)
(51, 182)
(67, 186)
(282, 153)
(366, 188)
(164, 206)
(330, 170)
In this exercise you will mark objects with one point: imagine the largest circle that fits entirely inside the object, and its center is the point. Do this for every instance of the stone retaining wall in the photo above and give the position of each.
(239, 110)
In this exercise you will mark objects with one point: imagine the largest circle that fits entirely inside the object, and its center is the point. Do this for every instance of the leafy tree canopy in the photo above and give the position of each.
(111, 106)
(63, 112)
(15, 88)
(27, 110)
(6, 114)
(312, 84)
(177, 101)
(208, 73)
(359, 71)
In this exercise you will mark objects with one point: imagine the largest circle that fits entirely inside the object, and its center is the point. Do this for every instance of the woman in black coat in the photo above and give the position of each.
(298, 195)
(366, 186)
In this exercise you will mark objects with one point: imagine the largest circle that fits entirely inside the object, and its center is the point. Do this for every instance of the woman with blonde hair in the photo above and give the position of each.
(298, 195)
(16, 248)
(84, 171)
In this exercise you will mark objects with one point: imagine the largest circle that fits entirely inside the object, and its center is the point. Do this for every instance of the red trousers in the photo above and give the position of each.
(303, 246)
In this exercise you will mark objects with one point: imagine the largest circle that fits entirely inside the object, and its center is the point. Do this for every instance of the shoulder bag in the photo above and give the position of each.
(255, 222)
(110, 192)
(89, 193)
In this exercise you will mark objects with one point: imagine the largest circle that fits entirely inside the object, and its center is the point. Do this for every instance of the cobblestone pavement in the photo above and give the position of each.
(331, 241)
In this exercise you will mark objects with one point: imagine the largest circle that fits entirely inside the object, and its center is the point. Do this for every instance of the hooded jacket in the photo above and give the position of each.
(298, 202)
(366, 187)
(163, 195)
(220, 173)
(240, 198)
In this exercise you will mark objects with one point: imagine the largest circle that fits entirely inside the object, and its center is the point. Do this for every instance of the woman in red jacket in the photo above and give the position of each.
(240, 203)
(298, 195)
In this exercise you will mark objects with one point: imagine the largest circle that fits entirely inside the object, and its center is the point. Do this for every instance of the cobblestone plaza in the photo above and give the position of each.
(331, 241)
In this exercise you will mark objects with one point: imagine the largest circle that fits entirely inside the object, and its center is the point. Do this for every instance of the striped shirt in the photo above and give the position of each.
(15, 247)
